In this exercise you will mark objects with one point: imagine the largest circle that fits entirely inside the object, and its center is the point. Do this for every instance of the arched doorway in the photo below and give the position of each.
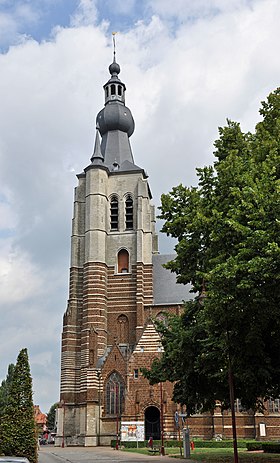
(152, 423)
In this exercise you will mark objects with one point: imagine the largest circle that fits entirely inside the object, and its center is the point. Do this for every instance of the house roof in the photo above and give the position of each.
(166, 289)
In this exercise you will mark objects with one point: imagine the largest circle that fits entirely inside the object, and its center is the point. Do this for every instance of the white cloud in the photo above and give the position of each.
(86, 13)
(183, 79)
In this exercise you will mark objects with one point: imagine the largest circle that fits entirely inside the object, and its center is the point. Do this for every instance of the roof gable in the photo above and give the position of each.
(150, 340)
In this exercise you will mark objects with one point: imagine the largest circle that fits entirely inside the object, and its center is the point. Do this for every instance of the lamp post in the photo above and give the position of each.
(117, 417)
(99, 406)
(162, 452)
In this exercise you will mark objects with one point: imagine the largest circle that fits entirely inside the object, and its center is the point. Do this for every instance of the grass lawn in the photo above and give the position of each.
(218, 455)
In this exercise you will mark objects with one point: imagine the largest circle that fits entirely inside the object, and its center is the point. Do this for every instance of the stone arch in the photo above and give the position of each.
(152, 422)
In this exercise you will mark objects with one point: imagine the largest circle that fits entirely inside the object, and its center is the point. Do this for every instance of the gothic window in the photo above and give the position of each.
(114, 213)
(274, 406)
(129, 213)
(114, 394)
(123, 261)
(113, 89)
(122, 329)
(238, 406)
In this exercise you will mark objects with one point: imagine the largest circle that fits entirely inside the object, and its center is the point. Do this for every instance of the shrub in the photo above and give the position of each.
(175, 443)
(271, 447)
(254, 445)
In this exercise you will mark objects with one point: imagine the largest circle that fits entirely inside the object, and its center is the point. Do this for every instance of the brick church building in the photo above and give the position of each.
(118, 286)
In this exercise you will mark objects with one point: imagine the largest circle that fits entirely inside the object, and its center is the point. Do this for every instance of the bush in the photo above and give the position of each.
(254, 445)
(175, 443)
(271, 447)
(223, 444)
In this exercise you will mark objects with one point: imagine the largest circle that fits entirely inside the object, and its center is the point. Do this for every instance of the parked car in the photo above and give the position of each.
(7, 459)
(51, 437)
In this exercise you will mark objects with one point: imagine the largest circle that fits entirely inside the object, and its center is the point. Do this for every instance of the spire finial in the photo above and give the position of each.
(114, 68)
(114, 45)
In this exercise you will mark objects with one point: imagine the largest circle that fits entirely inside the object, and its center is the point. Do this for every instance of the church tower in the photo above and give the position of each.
(118, 287)
(111, 278)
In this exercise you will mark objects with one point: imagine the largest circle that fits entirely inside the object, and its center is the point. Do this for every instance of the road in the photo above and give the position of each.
(50, 454)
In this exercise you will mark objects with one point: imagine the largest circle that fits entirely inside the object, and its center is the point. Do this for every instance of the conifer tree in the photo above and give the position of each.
(5, 388)
(17, 427)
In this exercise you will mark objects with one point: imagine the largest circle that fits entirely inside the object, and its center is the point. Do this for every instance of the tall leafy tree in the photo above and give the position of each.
(229, 250)
(17, 426)
(51, 424)
(5, 388)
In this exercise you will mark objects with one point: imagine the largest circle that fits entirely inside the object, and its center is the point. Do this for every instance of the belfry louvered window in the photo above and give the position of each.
(129, 213)
(114, 394)
(114, 213)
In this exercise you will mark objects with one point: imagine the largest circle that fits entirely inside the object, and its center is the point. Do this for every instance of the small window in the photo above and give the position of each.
(114, 214)
(119, 90)
(113, 89)
(123, 261)
(107, 92)
(129, 213)
(136, 373)
(141, 349)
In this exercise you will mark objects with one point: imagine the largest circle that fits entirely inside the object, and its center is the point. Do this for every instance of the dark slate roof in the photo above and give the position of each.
(166, 290)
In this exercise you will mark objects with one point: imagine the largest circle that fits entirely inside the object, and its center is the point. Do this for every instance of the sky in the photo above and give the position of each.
(187, 65)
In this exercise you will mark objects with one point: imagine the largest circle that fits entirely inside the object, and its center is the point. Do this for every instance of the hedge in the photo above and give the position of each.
(271, 447)
(254, 445)
(175, 443)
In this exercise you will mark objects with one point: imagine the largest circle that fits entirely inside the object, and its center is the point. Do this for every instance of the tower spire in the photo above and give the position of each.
(114, 46)
(97, 157)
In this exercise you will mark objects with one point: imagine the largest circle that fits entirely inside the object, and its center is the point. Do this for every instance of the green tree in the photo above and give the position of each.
(5, 388)
(17, 426)
(229, 250)
(51, 424)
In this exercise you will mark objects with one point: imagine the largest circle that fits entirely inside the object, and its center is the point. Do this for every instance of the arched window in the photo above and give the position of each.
(123, 261)
(114, 394)
(129, 213)
(114, 213)
(113, 89)
(119, 90)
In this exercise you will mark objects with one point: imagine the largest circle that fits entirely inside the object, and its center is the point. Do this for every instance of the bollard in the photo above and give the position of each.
(186, 443)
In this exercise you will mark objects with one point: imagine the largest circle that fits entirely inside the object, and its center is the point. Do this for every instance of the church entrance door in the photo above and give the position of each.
(152, 423)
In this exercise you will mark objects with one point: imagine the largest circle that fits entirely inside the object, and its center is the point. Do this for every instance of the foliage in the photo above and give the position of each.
(51, 424)
(176, 443)
(5, 388)
(229, 250)
(254, 445)
(271, 447)
(17, 427)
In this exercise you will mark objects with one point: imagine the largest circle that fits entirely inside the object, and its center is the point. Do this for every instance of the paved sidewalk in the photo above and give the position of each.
(51, 454)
